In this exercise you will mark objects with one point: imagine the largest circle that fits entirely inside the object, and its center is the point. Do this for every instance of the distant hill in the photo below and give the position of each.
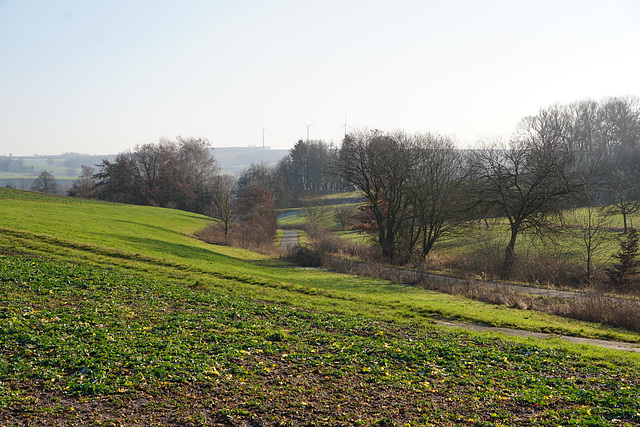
(20, 171)
(234, 160)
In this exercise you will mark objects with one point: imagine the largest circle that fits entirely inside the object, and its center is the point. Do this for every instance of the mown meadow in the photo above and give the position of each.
(117, 315)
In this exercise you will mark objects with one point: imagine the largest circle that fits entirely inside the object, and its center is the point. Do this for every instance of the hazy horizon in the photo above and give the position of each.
(99, 78)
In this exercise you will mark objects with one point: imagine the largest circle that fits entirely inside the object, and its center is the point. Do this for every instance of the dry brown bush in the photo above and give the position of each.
(624, 313)
(304, 256)
(549, 269)
(437, 261)
(592, 307)
(545, 269)
(240, 237)
(328, 243)
(212, 234)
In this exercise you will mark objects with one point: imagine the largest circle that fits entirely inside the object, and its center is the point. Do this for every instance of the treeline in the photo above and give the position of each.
(420, 187)
(9, 164)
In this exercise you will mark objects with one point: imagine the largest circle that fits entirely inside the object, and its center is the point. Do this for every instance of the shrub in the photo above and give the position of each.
(304, 256)
(549, 268)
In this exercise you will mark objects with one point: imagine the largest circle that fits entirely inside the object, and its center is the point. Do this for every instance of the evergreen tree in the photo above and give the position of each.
(624, 273)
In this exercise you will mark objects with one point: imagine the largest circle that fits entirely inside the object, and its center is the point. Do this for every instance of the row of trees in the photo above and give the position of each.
(9, 164)
(607, 129)
(610, 126)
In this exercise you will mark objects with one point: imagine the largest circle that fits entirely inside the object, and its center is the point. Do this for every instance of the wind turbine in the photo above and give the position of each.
(345, 126)
(308, 126)
(263, 129)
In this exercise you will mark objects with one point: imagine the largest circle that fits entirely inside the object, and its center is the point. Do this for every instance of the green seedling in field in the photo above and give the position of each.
(80, 332)
(106, 307)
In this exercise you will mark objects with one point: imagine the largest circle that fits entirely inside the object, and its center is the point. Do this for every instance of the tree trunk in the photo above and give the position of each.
(510, 255)
(427, 244)
(386, 244)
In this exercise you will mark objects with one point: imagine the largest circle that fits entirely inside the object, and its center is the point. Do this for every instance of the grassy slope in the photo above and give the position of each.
(173, 321)
(159, 242)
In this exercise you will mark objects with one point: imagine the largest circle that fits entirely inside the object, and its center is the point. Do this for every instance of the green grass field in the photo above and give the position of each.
(115, 315)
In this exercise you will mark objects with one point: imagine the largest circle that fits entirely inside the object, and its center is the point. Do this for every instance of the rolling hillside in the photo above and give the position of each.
(116, 315)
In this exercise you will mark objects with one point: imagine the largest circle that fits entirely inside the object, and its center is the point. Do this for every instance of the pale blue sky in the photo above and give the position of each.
(100, 77)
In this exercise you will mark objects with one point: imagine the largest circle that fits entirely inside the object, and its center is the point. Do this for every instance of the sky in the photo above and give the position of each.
(100, 77)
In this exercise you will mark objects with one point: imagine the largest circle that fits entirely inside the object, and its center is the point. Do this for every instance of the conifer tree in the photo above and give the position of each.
(624, 273)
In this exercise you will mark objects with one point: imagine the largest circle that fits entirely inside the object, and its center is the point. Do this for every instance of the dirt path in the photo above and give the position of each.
(289, 239)
(614, 345)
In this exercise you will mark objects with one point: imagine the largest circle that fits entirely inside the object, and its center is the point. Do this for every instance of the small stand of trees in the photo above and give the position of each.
(415, 187)
(174, 174)
(309, 169)
(183, 174)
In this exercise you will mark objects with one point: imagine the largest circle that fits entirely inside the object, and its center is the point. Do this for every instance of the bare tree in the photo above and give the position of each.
(257, 217)
(625, 190)
(222, 207)
(343, 214)
(437, 189)
(592, 223)
(199, 168)
(83, 186)
(45, 183)
(529, 180)
(380, 165)
(316, 215)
